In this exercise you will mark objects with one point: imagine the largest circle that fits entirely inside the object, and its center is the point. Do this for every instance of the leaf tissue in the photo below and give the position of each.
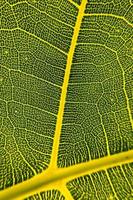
(66, 100)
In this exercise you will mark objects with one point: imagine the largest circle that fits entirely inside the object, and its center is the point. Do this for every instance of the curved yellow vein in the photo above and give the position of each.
(13, 14)
(31, 75)
(23, 158)
(44, 12)
(105, 133)
(40, 39)
(75, 4)
(125, 92)
(54, 155)
(17, 3)
(54, 179)
(110, 182)
(109, 15)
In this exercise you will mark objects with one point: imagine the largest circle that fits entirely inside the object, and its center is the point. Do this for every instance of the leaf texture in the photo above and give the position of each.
(66, 100)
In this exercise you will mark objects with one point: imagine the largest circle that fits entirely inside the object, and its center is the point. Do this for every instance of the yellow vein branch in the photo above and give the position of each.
(54, 156)
(75, 4)
(125, 92)
(110, 15)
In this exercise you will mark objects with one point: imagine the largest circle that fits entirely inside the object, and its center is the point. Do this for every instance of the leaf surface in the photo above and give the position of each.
(66, 100)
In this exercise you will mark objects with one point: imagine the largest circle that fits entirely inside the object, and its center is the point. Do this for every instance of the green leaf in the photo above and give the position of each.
(66, 100)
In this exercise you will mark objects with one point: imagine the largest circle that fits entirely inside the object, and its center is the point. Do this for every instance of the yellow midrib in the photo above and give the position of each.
(26, 188)
(54, 156)
(60, 177)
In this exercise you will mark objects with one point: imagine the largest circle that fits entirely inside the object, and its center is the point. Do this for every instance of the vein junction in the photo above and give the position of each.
(55, 179)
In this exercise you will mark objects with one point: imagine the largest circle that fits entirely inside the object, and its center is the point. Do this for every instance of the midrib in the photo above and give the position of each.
(31, 186)
(54, 156)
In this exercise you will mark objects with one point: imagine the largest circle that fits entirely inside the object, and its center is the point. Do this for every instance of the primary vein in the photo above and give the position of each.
(54, 155)
(57, 178)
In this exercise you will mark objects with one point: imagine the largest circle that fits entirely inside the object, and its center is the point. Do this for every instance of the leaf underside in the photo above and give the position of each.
(66, 96)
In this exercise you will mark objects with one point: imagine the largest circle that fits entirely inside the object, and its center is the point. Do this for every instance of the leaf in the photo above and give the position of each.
(66, 100)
